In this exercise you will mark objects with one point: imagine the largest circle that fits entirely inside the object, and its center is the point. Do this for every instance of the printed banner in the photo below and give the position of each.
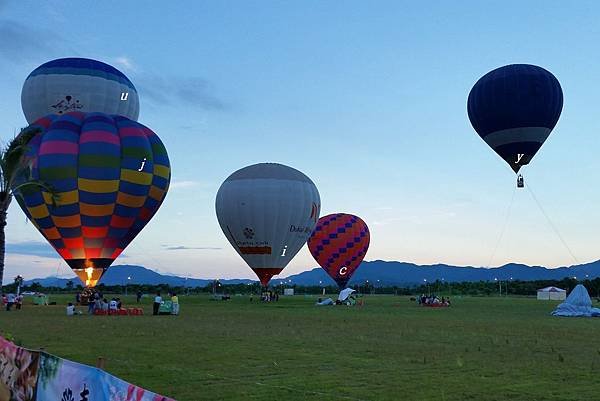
(35, 376)
(60, 379)
(18, 372)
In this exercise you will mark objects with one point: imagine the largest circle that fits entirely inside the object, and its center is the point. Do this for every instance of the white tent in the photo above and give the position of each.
(578, 303)
(345, 293)
(553, 293)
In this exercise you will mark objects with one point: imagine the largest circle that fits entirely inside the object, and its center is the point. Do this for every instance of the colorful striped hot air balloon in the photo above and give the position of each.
(267, 212)
(111, 175)
(78, 84)
(339, 244)
(513, 109)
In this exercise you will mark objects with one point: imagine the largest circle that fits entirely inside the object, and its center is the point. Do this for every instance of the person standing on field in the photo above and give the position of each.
(157, 302)
(175, 303)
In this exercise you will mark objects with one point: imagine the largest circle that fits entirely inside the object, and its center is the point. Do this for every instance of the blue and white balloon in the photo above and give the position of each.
(78, 84)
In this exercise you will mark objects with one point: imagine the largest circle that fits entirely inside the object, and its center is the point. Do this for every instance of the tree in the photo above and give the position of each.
(18, 283)
(15, 175)
(69, 285)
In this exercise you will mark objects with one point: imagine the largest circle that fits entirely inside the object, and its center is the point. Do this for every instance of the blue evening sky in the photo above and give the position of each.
(367, 98)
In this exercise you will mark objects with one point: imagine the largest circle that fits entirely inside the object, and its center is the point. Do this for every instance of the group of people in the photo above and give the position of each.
(433, 300)
(158, 301)
(99, 303)
(10, 300)
(270, 296)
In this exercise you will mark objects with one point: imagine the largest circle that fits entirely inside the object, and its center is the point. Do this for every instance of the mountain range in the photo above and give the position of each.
(378, 272)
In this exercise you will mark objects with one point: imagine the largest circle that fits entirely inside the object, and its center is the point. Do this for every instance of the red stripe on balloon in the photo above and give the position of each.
(58, 147)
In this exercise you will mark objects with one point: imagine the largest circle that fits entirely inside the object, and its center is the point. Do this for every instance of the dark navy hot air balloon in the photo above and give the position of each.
(111, 175)
(513, 109)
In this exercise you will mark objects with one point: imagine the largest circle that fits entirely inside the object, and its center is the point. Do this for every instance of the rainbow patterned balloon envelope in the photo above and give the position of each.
(111, 175)
(339, 244)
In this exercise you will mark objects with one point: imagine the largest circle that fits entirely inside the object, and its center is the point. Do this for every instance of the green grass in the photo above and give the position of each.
(389, 349)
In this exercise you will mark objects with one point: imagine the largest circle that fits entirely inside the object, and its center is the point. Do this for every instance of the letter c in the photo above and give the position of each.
(343, 270)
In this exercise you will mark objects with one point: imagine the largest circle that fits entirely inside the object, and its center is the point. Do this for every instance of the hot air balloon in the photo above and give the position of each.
(267, 211)
(339, 244)
(111, 175)
(78, 84)
(513, 109)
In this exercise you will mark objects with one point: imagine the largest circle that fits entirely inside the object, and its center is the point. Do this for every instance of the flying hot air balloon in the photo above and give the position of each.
(513, 109)
(78, 84)
(267, 211)
(339, 244)
(111, 175)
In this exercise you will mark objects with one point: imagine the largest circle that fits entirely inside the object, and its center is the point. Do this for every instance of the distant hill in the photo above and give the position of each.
(117, 275)
(388, 273)
(399, 273)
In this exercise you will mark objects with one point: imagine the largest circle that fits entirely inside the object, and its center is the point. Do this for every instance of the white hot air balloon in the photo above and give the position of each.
(267, 211)
(78, 84)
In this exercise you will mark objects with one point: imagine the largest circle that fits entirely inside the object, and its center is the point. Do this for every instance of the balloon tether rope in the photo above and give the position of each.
(508, 210)
(551, 224)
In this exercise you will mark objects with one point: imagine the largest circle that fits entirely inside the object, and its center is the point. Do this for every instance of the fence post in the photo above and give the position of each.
(101, 363)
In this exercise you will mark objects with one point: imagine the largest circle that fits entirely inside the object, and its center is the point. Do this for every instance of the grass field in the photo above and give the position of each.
(389, 349)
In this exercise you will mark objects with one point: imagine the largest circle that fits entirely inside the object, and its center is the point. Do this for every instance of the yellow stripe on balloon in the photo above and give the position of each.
(156, 193)
(64, 198)
(67, 221)
(136, 177)
(162, 171)
(98, 186)
(87, 209)
(130, 200)
(39, 212)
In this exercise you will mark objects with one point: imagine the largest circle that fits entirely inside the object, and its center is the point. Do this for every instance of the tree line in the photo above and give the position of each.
(476, 288)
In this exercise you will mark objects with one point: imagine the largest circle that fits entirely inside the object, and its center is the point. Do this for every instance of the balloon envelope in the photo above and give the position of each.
(111, 175)
(267, 212)
(339, 244)
(78, 84)
(513, 109)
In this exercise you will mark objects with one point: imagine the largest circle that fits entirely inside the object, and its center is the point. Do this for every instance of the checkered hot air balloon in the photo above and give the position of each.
(111, 175)
(78, 84)
(513, 109)
(339, 244)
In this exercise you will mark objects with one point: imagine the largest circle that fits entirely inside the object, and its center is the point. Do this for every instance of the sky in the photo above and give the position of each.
(366, 98)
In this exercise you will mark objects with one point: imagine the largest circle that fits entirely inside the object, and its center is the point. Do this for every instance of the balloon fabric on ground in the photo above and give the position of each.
(339, 244)
(267, 211)
(111, 174)
(513, 109)
(78, 84)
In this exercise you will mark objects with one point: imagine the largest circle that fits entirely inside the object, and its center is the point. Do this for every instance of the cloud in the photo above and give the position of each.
(40, 249)
(179, 91)
(182, 247)
(22, 43)
(33, 248)
(125, 63)
(183, 184)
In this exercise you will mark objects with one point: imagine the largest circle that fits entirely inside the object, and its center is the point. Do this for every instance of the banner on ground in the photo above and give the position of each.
(37, 376)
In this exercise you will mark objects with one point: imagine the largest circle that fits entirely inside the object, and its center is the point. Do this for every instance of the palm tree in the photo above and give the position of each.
(18, 283)
(15, 174)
